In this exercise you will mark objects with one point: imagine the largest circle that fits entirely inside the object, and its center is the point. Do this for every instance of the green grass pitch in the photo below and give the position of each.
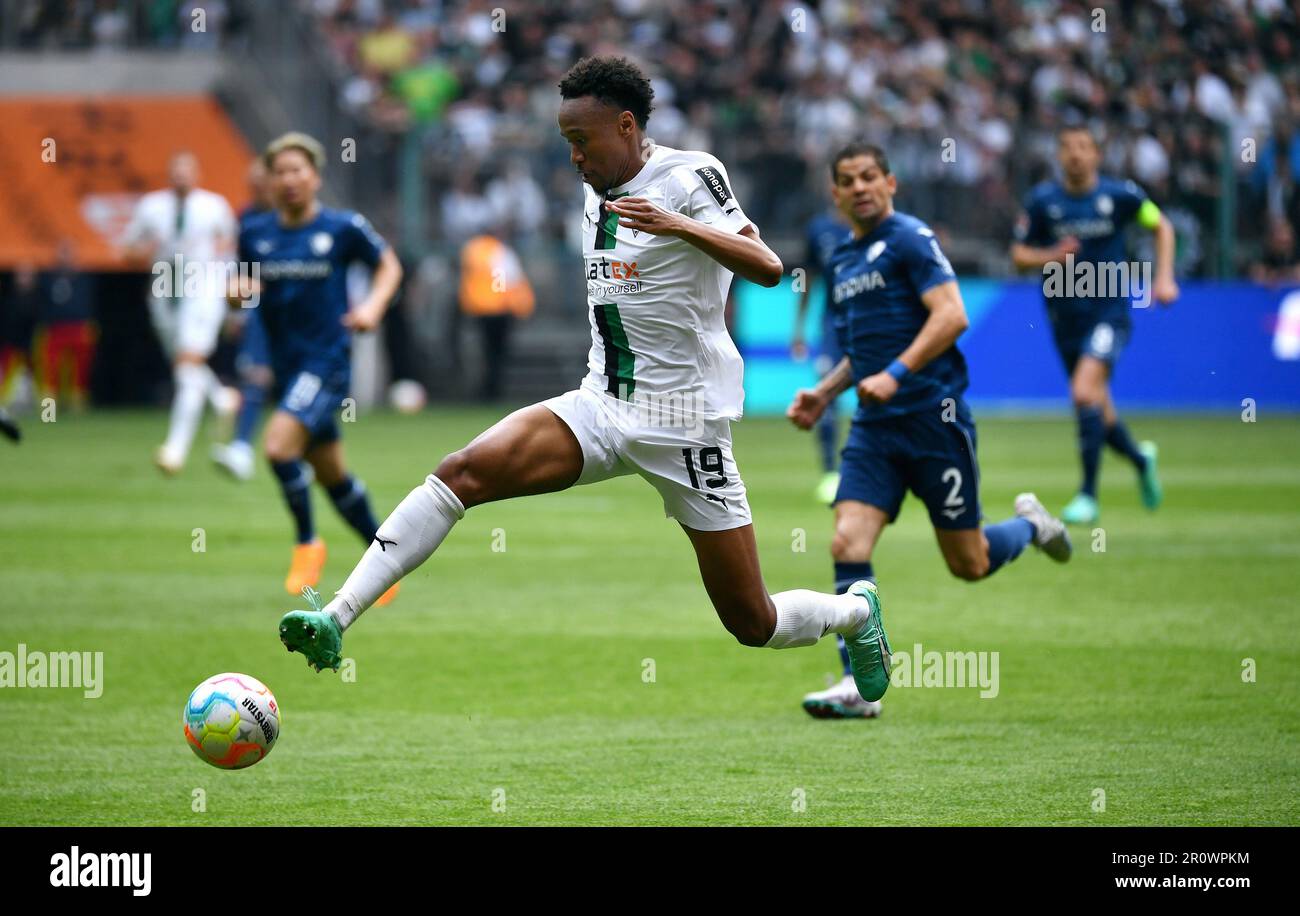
(515, 676)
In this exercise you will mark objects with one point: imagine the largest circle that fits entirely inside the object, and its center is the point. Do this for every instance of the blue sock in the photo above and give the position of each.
(295, 483)
(249, 410)
(1118, 438)
(1092, 434)
(827, 433)
(353, 503)
(1006, 541)
(845, 575)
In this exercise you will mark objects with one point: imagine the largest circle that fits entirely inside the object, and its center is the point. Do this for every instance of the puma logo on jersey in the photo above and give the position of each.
(382, 541)
(716, 498)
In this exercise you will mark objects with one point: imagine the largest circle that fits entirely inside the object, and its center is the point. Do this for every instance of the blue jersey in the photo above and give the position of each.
(876, 287)
(303, 271)
(1098, 219)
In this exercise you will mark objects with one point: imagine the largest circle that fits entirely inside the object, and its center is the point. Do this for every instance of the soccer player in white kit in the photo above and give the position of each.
(662, 236)
(197, 227)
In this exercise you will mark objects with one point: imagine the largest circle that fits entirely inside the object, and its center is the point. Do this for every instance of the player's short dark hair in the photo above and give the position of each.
(612, 81)
(1076, 127)
(860, 148)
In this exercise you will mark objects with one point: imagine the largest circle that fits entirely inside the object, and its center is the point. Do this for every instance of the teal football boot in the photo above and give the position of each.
(869, 653)
(314, 633)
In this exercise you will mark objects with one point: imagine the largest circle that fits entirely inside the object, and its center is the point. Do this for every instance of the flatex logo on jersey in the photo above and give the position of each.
(608, 277)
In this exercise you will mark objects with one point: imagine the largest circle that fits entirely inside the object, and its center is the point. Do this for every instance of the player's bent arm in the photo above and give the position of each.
(1028, 257)
(383, 286)
(947, 321)
(835, 382)
(810, 403)
(1166, 288)
(743, 253)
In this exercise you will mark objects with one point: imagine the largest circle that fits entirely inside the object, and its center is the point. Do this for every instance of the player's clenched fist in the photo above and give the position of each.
(1165, 290)
(878, 388)
(806, 408)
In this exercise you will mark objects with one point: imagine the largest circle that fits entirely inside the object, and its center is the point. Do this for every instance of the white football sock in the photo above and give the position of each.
(192, 383)
(406, 539)
(804, 616)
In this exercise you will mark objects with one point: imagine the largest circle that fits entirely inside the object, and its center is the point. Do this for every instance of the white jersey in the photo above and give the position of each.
(656, 303)
(202, 231)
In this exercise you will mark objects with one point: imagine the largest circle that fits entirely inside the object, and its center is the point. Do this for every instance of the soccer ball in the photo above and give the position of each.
(407, 396)
(231, 721)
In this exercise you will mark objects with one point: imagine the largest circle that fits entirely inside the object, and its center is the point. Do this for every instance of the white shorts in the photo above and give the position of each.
(187, 325)
(690, 464)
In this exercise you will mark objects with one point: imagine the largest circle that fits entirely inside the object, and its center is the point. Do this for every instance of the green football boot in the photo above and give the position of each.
(314, 633)
(1082, 510)
(1149, 479)
(869, 652)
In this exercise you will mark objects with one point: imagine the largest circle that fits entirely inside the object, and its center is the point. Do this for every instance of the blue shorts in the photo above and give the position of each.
(918, 451)
(1103, 340)
(313, 400)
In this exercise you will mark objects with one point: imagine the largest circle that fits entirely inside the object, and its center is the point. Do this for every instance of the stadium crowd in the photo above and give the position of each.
(73, 25)
(966, 94)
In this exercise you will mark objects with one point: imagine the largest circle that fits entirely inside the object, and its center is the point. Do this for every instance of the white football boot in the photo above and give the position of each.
(236, 459)
(840, 701)
(1050, 535)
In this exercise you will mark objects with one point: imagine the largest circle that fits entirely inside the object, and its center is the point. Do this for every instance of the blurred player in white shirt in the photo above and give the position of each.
(198, 227)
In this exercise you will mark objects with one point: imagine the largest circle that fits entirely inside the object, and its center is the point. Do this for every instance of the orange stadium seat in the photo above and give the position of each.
(74, 167)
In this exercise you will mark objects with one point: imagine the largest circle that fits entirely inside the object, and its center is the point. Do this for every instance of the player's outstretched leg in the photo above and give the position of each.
(348, 494)
(193, 380)
(236, 457)
(857, 528)
(1089, 391)
(1141, 456)
(285, 440)
(728, 562)
(531, 451)
(977, 553)
(1049, 536)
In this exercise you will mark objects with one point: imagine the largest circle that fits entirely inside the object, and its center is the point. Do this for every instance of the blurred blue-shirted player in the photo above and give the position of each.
(825, 232)
(302, 251)
(898, 313)
(1079, 223)
(253, 362)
